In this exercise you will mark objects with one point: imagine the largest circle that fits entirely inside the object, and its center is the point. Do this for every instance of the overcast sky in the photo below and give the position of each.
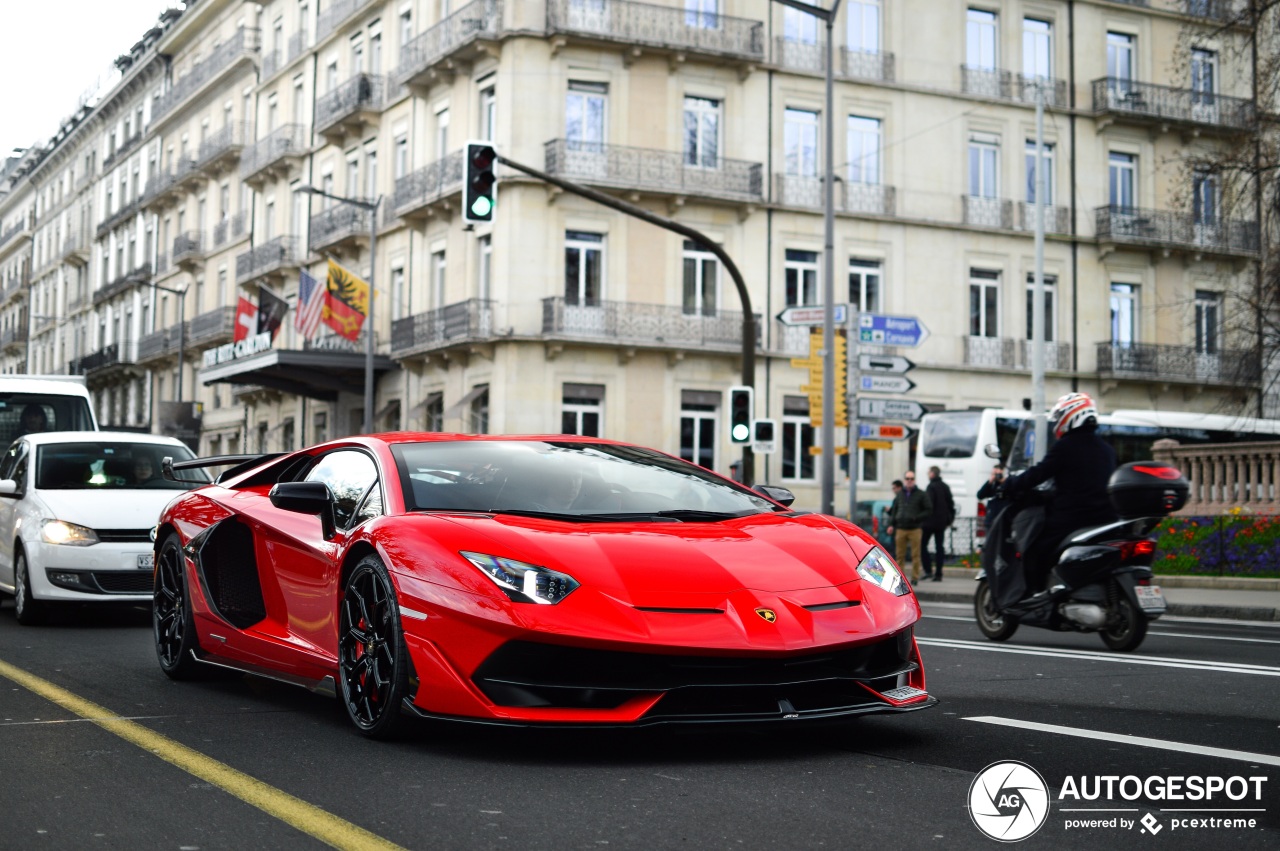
(54, 51)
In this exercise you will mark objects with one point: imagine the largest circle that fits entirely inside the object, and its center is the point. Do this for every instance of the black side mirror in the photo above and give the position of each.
(306, 498)
(776, 493)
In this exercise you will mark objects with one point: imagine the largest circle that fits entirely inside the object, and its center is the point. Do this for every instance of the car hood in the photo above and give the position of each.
(107, 509)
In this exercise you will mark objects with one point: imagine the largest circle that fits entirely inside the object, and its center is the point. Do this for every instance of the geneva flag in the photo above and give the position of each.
(346, 302)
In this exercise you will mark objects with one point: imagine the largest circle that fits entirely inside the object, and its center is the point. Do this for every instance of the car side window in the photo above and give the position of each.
(349, 473)
(371, 507)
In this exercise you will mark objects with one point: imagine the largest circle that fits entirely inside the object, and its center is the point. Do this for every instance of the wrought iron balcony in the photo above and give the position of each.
(871, 199)
(1169, 230)
(130, 279)
(1160, 363)
(648, 170)
(105, 358)
(188, 249)
(1007, 85)
(343, 223)
(273, 155)
(123, 150)
(1223, 11)
(1011, 353)
(465, 321)
(665, 28)
(661, 326)
(162, 344)
(987, 212)
(850, 64)
(76, 247)
(14, 338)
(416, 192)
(126, 212)
(271, 258)
(222, 148)
(212, 327)
(350, 106)
(229, 229)
(1148, 103)
(242, 45)
(480, 20)
(335, 15)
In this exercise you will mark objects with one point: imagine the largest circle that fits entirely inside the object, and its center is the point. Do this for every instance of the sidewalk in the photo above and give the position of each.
(1188, 596)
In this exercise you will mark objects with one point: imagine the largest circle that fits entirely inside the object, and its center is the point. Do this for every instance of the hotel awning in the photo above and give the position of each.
(314, 373)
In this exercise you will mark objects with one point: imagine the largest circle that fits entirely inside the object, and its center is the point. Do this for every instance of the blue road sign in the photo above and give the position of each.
(881, 330)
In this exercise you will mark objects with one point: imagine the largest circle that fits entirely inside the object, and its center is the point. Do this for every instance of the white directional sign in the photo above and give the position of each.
(813, 315)
(878, 382)
(889, 409)
(884, 363)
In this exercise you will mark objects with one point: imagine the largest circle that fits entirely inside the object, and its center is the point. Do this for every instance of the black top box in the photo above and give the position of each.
(1147, 489)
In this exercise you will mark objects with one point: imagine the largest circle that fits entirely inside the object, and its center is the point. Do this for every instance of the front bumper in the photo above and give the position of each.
(102, 572)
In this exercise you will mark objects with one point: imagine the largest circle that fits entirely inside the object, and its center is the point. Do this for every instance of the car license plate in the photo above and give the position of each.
(903, 693)
(1150, 597)
(146, 561)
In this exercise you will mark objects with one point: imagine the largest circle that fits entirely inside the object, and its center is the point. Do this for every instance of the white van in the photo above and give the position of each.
(34, 403)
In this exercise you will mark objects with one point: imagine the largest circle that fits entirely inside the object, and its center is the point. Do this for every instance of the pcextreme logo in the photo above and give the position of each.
(1009, 801)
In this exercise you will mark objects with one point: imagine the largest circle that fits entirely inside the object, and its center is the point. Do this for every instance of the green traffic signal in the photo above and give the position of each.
(481, 206)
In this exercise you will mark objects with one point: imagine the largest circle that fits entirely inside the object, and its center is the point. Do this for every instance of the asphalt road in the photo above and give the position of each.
(886, 781)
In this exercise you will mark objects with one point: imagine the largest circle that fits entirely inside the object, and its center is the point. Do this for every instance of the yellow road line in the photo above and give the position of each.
(294, 812)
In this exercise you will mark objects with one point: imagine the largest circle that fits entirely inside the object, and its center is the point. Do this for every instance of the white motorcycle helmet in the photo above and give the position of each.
(1072, 411)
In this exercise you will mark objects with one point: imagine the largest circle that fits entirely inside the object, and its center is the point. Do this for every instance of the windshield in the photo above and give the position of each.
(29, 413)
(113, 465)
(566, 479)
(951, 435)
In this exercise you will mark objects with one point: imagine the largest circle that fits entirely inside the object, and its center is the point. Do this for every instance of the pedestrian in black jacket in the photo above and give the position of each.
(941, 517)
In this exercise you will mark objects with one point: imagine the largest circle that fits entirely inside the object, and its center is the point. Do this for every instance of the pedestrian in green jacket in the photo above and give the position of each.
(910, 511)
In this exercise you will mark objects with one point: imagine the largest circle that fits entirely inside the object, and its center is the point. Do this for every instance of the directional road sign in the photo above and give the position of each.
(889, 409)
(884, 431)
(875, 444)
(813, 315)
(884, 363)
(882, 330)
(876, 382)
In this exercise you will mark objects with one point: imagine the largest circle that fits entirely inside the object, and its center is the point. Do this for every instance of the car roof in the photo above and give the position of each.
(47, 437)
(59, 386)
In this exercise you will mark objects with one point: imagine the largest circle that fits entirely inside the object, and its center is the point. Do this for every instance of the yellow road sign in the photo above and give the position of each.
(875, 444)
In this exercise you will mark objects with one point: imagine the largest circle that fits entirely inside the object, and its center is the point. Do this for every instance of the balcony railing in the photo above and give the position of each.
(240, 45)
(987, 212)
(850, 64)
(1009, 353)
(1149, 362)
(231, 228)
(1223, 11)
(1153, 103)
(1167, 229)
(223, 146)
(76, 246)
(10, 233)
(662, 27)
(476, 21)
(873, 199)
(14, 337)
(132, 278)
(115, 354)
(658, 325)
(161, 343)
(287, 142)
(1007, 85)
(651, 170)
(428, 185)
(1056, 219)
(361, 93)
(339, 224)
(466, 320)
(188, 248)
(269, 258)
(335, 14)
(126, 212)
(298, 44)
(123, 150)
(214, 326)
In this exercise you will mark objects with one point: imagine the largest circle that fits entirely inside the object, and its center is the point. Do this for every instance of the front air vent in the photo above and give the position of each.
(124, 536)
(826, 607)
(669, 611)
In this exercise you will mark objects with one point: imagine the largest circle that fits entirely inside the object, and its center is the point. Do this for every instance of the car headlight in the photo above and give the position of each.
(878, 569)
(524, 583)
(68, 534)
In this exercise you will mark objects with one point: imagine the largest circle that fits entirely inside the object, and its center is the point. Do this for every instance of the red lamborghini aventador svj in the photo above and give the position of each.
(552, 580)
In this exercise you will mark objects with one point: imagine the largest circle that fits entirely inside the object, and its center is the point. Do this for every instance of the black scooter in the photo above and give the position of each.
(1102, 579)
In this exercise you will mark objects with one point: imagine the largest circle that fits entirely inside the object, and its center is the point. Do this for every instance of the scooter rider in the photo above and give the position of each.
(1080, 464)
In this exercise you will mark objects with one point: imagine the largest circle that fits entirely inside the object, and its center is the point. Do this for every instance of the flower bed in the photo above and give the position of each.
(1234, 544)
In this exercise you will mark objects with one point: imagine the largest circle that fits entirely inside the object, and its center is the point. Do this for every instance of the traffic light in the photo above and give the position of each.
(741, 405)
(842, 379)
(479, 188)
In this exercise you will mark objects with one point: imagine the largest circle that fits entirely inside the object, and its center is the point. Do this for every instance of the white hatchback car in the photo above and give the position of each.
(76, 514)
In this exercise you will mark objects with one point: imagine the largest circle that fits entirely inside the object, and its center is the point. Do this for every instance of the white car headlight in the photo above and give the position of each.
(67, 534)
(877, 568)
(524, 583)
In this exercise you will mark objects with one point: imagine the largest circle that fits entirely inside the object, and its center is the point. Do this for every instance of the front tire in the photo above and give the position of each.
(991, 623)
(1126, 627)
(373, 662)
(172, 623)
(27, 609)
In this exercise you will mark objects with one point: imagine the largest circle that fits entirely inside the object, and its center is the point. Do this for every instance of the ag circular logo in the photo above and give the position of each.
(1008, 801)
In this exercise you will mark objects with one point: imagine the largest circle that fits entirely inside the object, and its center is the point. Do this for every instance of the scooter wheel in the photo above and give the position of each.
(993, 625)
(1125, 628)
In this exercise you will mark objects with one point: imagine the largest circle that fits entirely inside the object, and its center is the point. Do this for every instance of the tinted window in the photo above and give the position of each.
(349, 474)
(115, 465)
(28, 413)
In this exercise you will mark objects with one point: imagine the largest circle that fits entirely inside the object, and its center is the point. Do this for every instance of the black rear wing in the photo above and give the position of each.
(239, 464)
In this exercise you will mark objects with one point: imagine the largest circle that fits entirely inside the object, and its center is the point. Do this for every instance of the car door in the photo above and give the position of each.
(12, 466)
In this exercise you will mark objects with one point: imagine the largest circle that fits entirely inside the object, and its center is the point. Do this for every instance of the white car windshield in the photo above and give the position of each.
(587, 481)
(110, 465)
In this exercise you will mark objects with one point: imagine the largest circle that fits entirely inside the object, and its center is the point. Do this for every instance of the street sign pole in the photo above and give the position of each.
(855, 451)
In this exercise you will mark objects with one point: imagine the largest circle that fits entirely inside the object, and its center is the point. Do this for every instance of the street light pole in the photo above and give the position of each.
(182, 333)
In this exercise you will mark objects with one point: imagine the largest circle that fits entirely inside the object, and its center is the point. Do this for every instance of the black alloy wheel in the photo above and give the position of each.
(991, 622)
(171, 612)
(1126, 627)
(373, 663)
(27, 609)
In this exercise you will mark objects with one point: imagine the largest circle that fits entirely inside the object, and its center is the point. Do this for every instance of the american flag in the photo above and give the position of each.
(306, 318)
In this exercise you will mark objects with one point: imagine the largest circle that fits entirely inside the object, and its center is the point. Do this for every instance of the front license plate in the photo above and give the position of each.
(146, 561)
(1150, 597)
(903, 693)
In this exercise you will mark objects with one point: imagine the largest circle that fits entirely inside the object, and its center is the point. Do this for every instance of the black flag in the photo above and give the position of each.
(271, 311)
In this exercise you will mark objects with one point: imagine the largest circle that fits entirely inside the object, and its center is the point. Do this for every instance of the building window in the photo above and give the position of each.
(984, 168)
(582, 410)
(799, 27)
(320, 426)
(1124, 314)
(801, 273)
(863, 26)
(1204, 199)
(1123, 170)
(800, 142)
(981, 40)
(1050, 297)
(583, 267)
(584, 116)
(401, 164)
(865, 282)
(797, 439)
(1031, 173)
(701, 14)
(1204, 76)
(406, 29)
(984, 303)
(397, 292)
(868, 466)
(698, 419)
(864, 150)
(442, 133)
(484, 271)
(1120, 51)
(371, 172)
(701, 280)
(286, 435)
(434, 412)
(438, 269)
(1037, 49)
(1208, 316)
(701, 132)
(488, 113)
(480, 411)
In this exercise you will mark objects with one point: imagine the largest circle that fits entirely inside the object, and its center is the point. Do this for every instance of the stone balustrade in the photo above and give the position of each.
(1226, 476)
